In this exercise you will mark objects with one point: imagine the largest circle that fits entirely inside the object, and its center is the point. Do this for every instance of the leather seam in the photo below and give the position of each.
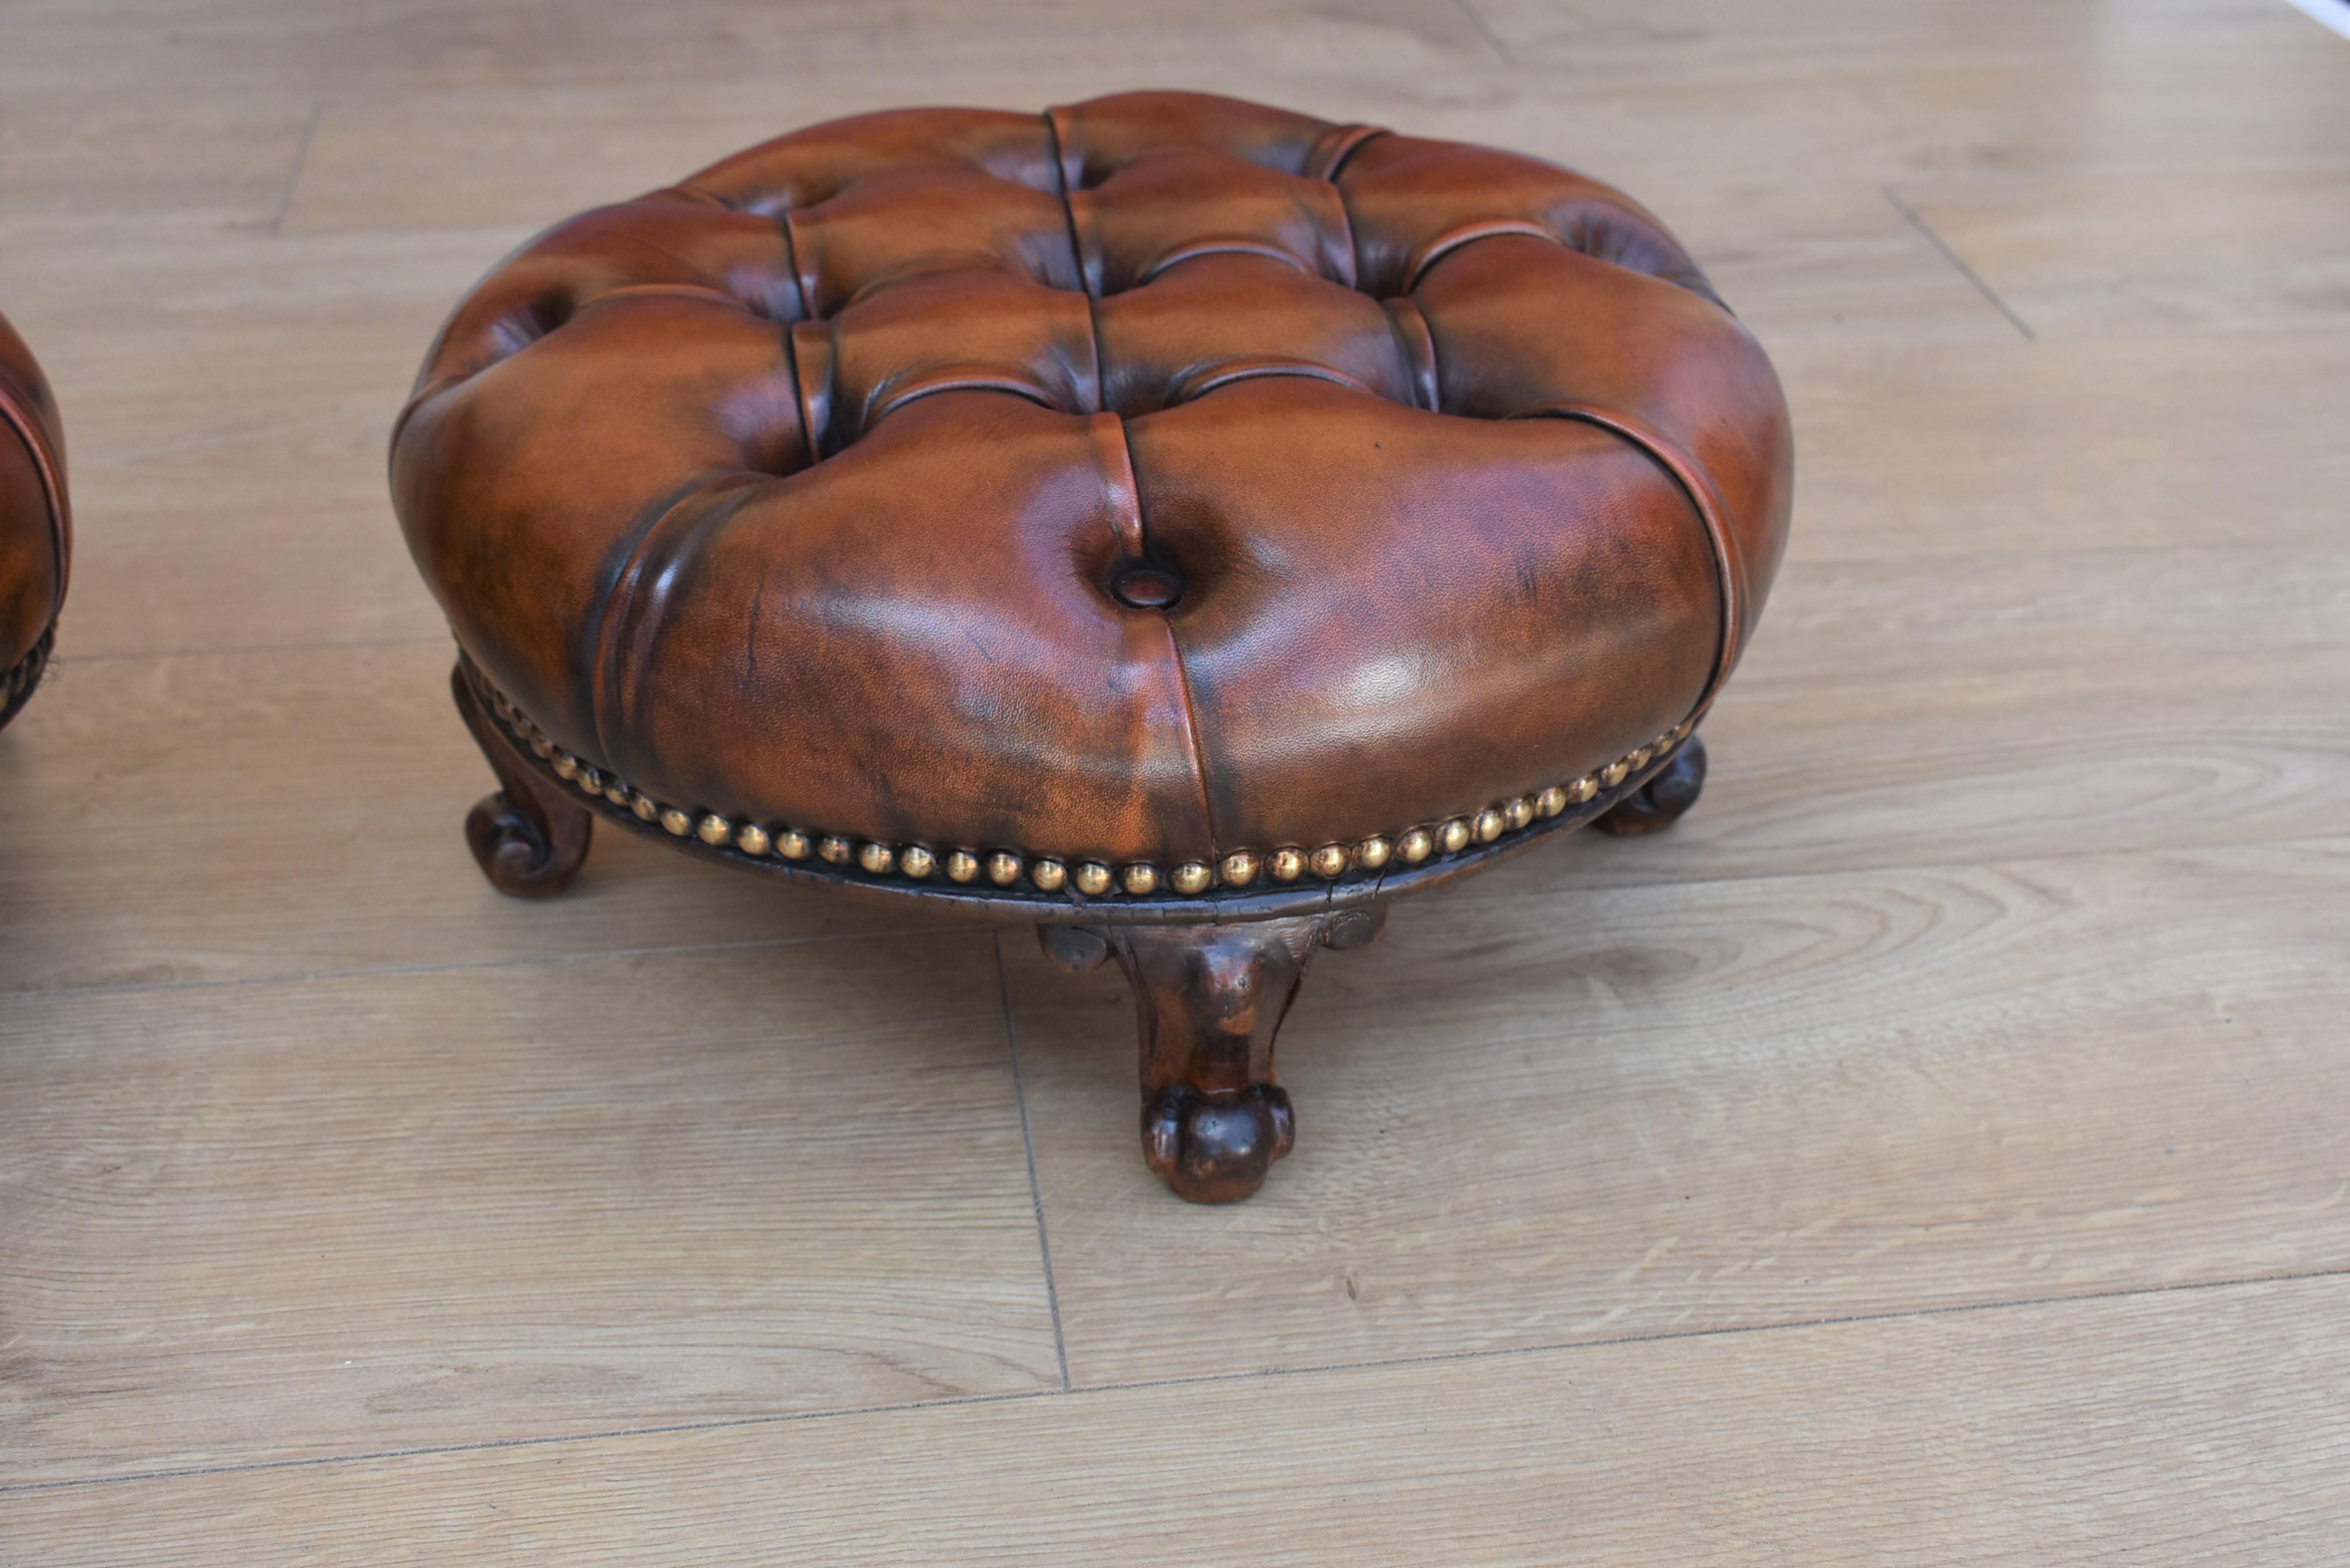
(619, 606)
(1697, 489)
(1191, 742)
(1069, 221)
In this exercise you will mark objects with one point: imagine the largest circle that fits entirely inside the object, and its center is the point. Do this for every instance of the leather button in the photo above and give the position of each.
(1146, 587)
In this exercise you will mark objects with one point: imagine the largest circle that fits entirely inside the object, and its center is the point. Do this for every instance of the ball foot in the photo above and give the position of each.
(1657, 804)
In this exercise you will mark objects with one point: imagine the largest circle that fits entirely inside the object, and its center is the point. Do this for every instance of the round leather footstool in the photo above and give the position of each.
(36, 528)
(1179, 523)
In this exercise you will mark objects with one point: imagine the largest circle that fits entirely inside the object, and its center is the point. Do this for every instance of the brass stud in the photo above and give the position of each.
(1191, 878)
(1551, 802)
(1613, 774)
(833, 850)
(678, 822)
(1488, 825)
(791, 844)
(962, 866)
(1329, 861)
(1519, 812)
(644, 805)
(1004, 868)
(590, 780)
(541, 744)
(1049, 875)
(1372, 853)
(1583, 789)
(878, 860)
(567, 766)
(1681, 731)
(917, 862)
(618, 792)
(752, 839)
(715, 829)
(1093, 878)
(1140, 878)
(1287, 865)
(1639, 759)
(1415, 846)
(1454, 835)
(1238, 870)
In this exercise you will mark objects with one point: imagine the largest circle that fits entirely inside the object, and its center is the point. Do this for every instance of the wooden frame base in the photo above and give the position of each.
(17, 684)
(1210, 991)
(530, 838)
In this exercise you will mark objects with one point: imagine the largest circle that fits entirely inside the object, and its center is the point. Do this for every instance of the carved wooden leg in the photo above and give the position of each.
(1659, 804)
(17, 685)
(1209, 999)
(529, 837)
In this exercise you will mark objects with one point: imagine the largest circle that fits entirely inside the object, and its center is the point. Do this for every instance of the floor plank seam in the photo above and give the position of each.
(1028, 1147)
(1079, 1391)
(294, 174)
(400, 971)
(1485, 31)
(1911, 215)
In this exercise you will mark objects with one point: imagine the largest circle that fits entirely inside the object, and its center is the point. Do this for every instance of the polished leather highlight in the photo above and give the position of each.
(35, 529)
(1162, 476)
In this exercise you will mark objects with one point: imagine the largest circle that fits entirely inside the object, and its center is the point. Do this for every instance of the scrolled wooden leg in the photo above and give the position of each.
(1659, 804)
(17, 684)
(1209, 999)
(529, 838)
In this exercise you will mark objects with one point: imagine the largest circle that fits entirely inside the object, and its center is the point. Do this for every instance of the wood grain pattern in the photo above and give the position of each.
(265, 1222)
(2191, 1427)
(1997, 978)
(2084, 255)
(1528, 1117)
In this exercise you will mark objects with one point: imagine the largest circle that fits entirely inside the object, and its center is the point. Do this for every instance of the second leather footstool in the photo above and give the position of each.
(35, 527)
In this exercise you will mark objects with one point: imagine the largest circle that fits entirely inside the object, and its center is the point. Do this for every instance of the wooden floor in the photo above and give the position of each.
(1936, 1150)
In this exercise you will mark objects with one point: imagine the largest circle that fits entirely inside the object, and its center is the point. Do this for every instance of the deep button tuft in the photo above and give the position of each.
(1146, 587)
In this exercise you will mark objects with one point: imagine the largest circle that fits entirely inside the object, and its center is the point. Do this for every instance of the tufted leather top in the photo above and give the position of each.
(33, 519)
(1158, 477)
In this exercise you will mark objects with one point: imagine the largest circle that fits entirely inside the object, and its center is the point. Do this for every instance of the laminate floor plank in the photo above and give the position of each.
(2191, 1428)
(1930, 451)
(240, 817)
(281, 1221)
(2160, 252)
(1526, 1119)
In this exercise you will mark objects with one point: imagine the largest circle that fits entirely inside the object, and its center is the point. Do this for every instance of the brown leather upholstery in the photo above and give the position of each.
(1163, 476)
(34, 526)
